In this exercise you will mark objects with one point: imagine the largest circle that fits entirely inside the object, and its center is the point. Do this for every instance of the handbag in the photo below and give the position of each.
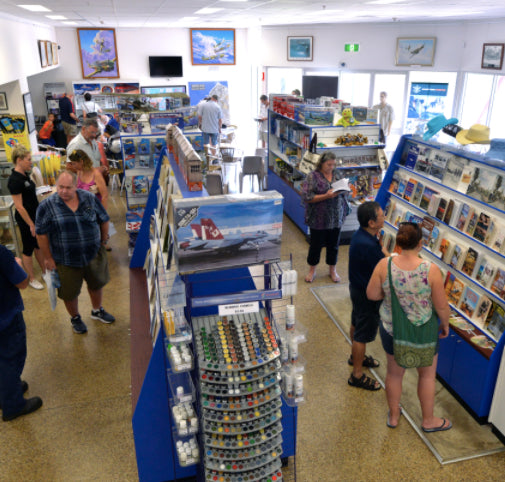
(413, 345)
(310, 157)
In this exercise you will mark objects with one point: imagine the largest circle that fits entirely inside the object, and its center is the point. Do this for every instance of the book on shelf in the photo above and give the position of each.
(423, 163)
(418, 192)
(412, 154)
(498, 284)
(413, 218)
(466, 178)
(389, 208)
(499, 238)
(455, 291)
(409, 189)
(482, 226)
(473, 187)
(453, 172)
(395, 181)
(428, 193)
(491, 231)
(442, 206)
(427, 226)
(439, 164)
(482, 311)
(457, 255)
(469, 302)
(484, 273)
(470, 261)
(397, 215)
(401, 186)
(463, 216)
(436, 236)
(473, 216)
(433, 205)
(496, 321)
(452, 211)
(445, 249)
(489, 183)
(448, 282)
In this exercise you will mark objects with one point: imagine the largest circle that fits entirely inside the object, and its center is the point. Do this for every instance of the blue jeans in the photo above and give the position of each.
(212, 137)
(12, 362)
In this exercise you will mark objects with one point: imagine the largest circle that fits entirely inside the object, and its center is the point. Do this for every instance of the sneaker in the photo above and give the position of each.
(31, 405)
(35, 284)
(102, 315)
(78, 325)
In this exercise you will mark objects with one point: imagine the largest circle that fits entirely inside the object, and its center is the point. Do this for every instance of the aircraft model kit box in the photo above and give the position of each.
(220, 232)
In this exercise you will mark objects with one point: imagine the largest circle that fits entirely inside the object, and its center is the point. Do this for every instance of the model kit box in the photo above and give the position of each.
(220, 232)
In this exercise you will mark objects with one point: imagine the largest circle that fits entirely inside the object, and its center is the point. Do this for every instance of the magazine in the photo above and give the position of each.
(470, 261)
(469, 302)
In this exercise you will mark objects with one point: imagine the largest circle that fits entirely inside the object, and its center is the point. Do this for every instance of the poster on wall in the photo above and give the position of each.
(210, 46)
(98, 53)
(426, 100)
(199, 90)
(14, 133)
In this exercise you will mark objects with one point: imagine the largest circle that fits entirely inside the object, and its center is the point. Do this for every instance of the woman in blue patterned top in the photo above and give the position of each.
(325, 213)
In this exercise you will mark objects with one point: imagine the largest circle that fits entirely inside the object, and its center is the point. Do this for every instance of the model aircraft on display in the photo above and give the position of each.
(207, 237)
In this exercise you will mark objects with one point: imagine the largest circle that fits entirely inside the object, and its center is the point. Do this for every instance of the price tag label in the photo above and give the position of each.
(239, 308)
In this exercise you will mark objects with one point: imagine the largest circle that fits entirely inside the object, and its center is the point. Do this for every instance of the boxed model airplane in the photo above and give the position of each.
(219, 232)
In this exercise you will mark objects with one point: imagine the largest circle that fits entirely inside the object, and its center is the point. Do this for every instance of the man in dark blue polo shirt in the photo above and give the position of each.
(365, 252)
(68, 117)
(13, 339)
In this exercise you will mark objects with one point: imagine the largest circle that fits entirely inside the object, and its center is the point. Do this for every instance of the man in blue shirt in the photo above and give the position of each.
(365, 252)
(210, 120)
(68, 117)
(13, 339)
(72, 229)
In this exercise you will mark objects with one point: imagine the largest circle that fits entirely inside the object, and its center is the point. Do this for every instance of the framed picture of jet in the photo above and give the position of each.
(220, 232)
(415, 51)
(98, 51)
(211, 46)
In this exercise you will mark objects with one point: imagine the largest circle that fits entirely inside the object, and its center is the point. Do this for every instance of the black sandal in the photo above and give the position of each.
(368, 362)
(364, 382)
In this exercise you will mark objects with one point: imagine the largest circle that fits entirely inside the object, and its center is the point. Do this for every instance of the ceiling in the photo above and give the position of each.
(248, 13)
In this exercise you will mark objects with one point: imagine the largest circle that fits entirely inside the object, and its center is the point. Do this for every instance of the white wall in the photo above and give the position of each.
(458, 48)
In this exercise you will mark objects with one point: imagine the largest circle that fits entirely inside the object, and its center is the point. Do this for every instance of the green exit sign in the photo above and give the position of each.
(351, 48)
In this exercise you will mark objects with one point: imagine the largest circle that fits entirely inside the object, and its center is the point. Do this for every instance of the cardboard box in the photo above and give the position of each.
(220, 232)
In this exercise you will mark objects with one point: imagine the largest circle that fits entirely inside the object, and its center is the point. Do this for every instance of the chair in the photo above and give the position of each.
(261, 151)
(252, 166)
(115, 170)
(214, 184)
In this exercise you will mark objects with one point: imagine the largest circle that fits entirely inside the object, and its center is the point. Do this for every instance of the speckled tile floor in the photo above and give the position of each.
(83, 431)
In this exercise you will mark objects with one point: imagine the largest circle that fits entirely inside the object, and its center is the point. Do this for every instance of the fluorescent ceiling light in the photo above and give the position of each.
(56, 17)
(188, 19)
(205, 11)
(70, 23)
(35, 8)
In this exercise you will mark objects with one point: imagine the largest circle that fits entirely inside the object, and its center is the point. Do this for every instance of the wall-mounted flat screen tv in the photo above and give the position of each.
(314, 86)
(165, 66)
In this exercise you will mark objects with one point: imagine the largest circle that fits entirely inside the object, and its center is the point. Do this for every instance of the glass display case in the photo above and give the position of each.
(8, 234)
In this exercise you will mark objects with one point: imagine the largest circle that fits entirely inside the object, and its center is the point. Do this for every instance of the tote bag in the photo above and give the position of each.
(413, 346)
(310, 157)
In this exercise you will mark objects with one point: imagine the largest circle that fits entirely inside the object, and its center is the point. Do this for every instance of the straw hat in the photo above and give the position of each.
(437, 124)
(477, 134)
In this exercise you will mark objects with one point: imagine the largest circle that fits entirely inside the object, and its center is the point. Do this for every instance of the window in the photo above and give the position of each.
(476, 99)
(283, 80)
(496, 124)
(354, 88)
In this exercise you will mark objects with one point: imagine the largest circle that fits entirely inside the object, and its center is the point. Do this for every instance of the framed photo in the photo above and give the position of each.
(212, 46)
(492, 56)
(300, 48)
(49, 53)
(415, 51)
(42, 53)
(30, 119)
(3, 101)
(54, 48)
(98, 51)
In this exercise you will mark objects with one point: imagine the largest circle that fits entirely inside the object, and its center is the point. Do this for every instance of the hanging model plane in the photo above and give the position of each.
(207, 237)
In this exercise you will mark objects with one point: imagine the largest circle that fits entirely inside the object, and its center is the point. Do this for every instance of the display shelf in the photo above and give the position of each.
(187, 451)
(242, 427)
(185, 418)
(360, 163)
(241, 377)
(240, 417)
(181, 388)
(256, 399)
(458, 200)
(270, 471)
(179, 356)
(244, 464)
(252, 439)
(238, 389)
(8, 232)
(261, 449)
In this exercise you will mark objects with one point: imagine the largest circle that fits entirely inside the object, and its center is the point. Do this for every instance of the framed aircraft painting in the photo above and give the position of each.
(415, 51)
(97, 47)
(211, 46)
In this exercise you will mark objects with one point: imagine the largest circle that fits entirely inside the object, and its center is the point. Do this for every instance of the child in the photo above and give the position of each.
(46, 132)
